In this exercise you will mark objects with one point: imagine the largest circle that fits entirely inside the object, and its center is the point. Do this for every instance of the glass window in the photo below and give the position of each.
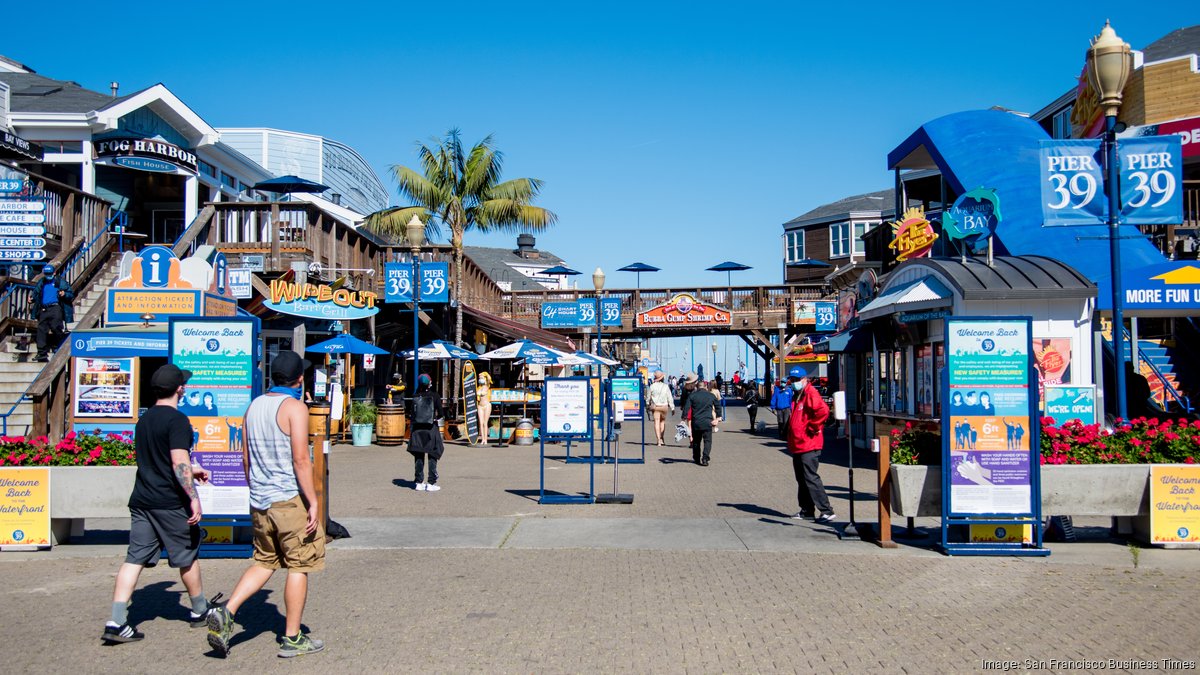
(794, 243)
(61, 146)
(228, 180)
(207, 169)
(860, 229)
(839, 240)
(1061, 123)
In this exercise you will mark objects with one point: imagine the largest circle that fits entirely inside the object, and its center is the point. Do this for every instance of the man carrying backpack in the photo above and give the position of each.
(426, 411)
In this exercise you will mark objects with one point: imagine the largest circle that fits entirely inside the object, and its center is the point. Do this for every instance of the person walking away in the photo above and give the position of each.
(805, 439)
(164, 507)
(483, 404)
(750, 396)
(284, 515)
(52, 297)
(661, 404)
(701, 406)
(781, 405)
(426, 439)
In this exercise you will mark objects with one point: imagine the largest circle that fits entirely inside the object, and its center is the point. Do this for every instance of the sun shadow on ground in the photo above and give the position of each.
(400, 482)
(756, 510)
(156, 600)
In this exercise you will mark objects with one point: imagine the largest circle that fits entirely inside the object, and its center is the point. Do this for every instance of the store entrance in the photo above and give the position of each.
(154, 202)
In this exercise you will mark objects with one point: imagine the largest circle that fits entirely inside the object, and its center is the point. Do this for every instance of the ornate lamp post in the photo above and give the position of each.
(1109, 62)
(598, 283)
(713, 376)
(414, 232)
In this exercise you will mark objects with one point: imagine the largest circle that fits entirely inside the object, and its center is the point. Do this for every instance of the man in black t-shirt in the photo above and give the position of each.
(164, 507)
(704, 408)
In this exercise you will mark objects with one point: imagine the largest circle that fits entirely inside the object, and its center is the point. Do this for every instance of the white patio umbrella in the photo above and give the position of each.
(531, 352)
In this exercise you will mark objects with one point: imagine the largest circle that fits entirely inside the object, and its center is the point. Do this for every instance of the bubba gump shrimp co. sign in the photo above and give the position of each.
(684, 311)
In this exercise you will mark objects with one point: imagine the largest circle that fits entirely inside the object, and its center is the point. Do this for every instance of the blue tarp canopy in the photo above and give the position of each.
(1000, 150)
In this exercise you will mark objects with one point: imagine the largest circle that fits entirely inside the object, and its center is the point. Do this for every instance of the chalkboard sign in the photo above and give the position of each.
(470, 405)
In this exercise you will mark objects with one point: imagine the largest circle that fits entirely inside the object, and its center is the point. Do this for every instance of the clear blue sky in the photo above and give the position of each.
(678, 134)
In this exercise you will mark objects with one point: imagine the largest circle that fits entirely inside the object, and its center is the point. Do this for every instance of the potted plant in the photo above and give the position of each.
(916, 486)
(362, 422)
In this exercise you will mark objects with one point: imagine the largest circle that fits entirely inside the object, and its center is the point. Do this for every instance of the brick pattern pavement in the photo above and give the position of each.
(558, 611)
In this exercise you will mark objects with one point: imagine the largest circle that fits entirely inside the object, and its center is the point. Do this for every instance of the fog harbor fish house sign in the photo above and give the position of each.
(146, 155)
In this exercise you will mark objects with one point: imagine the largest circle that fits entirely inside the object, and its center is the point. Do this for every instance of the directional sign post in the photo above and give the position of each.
(22, 254)
(22, 230)
(22, 242)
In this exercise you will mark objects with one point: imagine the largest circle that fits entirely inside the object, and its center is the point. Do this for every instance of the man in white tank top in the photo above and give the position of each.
(283, 506)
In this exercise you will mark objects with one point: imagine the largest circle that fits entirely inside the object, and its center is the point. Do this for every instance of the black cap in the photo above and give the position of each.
(288, 365)
(170, 376)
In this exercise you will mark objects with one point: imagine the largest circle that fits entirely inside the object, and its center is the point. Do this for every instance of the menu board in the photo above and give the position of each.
(470, 404)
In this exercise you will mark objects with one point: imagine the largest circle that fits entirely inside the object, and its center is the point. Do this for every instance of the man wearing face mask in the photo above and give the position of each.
(805, 439)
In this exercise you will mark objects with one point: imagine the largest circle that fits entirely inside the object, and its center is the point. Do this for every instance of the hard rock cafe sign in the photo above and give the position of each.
(914, 236)
(684, 311)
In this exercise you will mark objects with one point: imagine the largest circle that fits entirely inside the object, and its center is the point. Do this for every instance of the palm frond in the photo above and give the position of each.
(391, 222)
(483, 169)
(518, 189)
(418, 188)
(507, 215)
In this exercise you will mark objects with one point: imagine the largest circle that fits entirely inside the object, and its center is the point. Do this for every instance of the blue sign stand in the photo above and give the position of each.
(583, 434)
(979, 326)
(606, 452)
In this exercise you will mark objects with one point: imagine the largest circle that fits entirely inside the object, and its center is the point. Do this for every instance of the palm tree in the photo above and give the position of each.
(462, 191)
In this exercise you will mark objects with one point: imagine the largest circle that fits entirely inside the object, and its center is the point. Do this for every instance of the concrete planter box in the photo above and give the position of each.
(1067, 490)
(81, 492)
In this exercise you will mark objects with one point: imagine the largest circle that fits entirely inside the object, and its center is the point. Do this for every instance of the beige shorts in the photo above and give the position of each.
(280, 541)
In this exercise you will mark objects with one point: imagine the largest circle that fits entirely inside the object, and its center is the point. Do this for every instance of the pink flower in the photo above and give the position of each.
(1171, 436)
(95, 453)
(1189, 460)
(1135, 441)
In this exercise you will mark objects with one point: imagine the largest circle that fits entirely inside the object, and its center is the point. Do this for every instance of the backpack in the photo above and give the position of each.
(423, 410)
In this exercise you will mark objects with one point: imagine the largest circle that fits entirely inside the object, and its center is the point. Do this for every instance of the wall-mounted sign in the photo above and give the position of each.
(255, 262)
(804, 312)
(930, 315)
(239, 283)
(145, 154)
(684, 310)
(1174, 504)
(22, 230)
(581, 313)
(1151, 180)
(1188, 131)
(914, 236)
(435, 286)
(320, 301)
(1166, 286)
(17, 145)
(24, 508)
(154, 281)
(974, 216)
(1067, 403)
(105, 388)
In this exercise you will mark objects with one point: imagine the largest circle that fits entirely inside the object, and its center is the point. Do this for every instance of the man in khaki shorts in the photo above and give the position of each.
(283, 507)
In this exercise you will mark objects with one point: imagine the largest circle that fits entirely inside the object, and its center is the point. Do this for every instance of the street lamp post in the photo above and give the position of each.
(414, 231)
(1109, 62)
(713, 376)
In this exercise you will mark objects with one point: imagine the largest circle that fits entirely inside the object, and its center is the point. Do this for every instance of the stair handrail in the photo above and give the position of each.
(4, 416)
(1181, 399)
(186, 240)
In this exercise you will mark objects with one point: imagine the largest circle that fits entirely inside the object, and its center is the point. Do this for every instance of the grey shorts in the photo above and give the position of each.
(153, 530)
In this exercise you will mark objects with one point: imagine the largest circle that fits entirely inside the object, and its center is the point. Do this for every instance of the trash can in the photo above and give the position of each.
(524, 433)
(389, 424)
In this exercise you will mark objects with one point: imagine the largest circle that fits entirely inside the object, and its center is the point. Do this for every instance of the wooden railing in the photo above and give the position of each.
(753, 307)
(1180, 242)
(287, 232)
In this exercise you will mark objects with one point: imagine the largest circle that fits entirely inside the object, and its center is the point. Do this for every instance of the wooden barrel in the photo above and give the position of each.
(389, 424)
(318, 413)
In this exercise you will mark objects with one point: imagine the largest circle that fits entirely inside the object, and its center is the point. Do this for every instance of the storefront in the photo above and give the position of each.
(901, 336)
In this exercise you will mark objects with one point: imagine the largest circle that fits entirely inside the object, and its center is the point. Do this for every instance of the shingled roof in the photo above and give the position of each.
(499, 263)
(882, 202)
(34, 93)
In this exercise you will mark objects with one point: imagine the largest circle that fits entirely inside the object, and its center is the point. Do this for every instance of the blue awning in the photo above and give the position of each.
(853, 341)
(997, 149)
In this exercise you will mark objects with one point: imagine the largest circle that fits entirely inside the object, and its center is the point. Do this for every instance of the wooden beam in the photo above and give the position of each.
(884, 539)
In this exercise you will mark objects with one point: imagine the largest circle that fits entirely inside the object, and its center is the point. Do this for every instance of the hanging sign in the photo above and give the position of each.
(827, 318)
(24, 508)
(1175, 504)
(914, 236)
(974, 216)
(320, 301)
(1151, 180)
(22, 254)
(435, 285)
(145, 154)
(684, 310)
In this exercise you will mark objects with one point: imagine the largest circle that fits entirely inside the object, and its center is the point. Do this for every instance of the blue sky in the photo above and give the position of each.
(678, 134)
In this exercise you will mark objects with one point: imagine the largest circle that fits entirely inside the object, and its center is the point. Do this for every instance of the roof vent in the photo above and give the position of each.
(525, 243)
(115, 86)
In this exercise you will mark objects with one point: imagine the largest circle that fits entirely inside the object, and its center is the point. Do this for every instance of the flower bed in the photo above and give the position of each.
(1138, 441)
(73, 450)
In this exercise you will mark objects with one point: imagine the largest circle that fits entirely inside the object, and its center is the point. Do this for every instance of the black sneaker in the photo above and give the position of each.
(201, 620)
(119, 634)
(41, 358)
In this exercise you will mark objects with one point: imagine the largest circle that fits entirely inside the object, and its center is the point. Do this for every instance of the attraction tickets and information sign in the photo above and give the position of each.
(684, 310)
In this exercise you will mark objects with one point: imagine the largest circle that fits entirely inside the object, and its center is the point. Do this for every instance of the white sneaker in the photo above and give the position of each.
(433, 487)
(421, 486)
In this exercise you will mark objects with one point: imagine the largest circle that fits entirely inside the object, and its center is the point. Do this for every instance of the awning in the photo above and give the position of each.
(852, 341)
(12, 145)
(925, 293)
(509, 331)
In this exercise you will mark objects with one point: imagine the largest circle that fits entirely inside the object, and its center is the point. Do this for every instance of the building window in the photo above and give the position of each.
(1061, 123)
(860, 229)
(68, 147)
(839, 240)
(207, 169)
(228, 180)
(794, 243)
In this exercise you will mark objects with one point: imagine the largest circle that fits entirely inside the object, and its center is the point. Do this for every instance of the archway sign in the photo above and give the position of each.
(991, 477)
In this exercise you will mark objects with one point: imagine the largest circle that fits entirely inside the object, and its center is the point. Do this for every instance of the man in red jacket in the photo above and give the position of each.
(805, 440)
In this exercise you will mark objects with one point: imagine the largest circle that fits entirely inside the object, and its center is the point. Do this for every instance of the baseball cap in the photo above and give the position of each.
(288, 365)
(797, 372)
(170, 376)
(48, 269)
(423, 380)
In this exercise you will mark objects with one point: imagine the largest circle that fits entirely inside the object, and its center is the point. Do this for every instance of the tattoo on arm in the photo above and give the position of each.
(183, 473)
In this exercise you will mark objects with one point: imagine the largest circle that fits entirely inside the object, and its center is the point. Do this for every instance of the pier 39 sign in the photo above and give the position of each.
(684, 311)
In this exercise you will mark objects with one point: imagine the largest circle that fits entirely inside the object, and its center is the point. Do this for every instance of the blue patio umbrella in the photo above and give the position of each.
(809, 263)
(728, 267)
(531, 352)
(289, 184)
(639, 267)
(440, 350)
(345, 344)
(561, 271)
